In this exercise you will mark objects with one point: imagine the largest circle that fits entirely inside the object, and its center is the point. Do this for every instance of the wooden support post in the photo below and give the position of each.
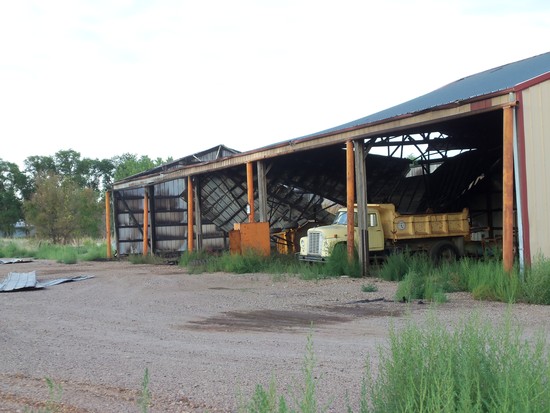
(250, 187)
(145, 221)
(508, 189)
(108, 224)
(362, 208)
(189, 214)
(262, 191)
(350, 188)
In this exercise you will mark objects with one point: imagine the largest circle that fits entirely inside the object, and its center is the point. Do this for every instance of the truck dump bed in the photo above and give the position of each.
(400, 227)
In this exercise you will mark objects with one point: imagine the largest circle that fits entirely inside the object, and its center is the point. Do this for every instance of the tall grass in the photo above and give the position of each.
(536, 286)
(477, 367)
(420, 278)
(278, 265)
(88, 250)
(16, 248)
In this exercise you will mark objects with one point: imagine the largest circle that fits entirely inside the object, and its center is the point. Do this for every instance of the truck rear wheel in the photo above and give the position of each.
(444, 251)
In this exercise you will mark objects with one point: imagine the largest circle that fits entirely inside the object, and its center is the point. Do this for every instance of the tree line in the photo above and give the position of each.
(62, 196)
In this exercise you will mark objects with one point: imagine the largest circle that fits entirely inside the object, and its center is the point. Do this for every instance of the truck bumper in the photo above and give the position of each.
(311, 258)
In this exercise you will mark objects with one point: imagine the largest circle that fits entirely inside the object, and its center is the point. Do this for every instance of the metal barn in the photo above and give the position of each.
(479, 142)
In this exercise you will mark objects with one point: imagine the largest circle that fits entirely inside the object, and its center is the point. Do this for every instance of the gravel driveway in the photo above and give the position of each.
(206, 339)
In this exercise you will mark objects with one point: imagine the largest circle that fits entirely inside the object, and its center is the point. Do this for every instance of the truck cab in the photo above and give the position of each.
(320, 241)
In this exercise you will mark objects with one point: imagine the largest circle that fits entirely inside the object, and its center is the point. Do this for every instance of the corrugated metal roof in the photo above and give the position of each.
(485, 83)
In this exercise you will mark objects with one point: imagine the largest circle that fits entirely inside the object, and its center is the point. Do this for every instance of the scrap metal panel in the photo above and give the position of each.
(536, 109)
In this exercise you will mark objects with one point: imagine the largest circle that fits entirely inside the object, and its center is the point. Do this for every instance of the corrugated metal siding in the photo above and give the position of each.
(170, 216)
(536, 110)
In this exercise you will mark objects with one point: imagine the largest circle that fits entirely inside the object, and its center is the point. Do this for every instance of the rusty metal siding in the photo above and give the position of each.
(536, 110)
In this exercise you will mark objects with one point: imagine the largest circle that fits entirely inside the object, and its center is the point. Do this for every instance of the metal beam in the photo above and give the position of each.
(108, 224)
(262, 190)
(250, 189)
(189, 214)
(198, 213)
(362, 209)
(508, 190)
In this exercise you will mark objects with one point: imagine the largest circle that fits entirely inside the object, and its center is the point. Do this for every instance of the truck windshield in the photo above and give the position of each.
(342, 218)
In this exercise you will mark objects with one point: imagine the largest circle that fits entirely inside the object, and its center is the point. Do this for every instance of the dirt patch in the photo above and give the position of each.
(264, 320)
(204, 338)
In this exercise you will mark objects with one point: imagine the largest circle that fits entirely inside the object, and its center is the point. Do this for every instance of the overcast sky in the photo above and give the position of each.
(171, 78)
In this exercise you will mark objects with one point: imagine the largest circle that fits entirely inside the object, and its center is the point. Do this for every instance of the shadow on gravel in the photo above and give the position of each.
(277, 320)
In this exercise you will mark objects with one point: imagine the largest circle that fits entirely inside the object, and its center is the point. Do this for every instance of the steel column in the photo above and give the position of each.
(189, 214)
(262, 190)
(250, 188)
(198, 213)
(108, 224)
(508, 189)
(362, 208)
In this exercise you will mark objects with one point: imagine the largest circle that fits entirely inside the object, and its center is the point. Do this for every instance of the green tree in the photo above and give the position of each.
(84, 172)
(12, 187)
(62, 211)
(129, 164)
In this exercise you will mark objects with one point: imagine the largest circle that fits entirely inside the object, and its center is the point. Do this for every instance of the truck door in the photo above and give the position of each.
(376, 233)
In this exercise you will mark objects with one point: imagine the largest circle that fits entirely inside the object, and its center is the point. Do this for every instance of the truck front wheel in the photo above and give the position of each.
(444, 251)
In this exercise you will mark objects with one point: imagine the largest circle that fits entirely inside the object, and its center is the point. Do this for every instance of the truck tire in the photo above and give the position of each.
(444, 251)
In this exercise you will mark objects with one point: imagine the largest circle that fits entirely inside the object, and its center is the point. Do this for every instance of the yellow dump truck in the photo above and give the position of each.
(441, 235)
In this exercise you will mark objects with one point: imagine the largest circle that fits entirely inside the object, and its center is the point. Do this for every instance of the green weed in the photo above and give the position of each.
(53, 404)
(303, 398)
(369, 288)
(477, 367)
(144, 400)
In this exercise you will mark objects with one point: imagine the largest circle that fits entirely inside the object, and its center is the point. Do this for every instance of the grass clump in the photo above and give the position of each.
(145, 259)
(369, 288)
(478, 367)
(536, 285)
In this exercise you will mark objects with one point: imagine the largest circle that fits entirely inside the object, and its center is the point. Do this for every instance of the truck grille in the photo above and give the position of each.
(314, 243)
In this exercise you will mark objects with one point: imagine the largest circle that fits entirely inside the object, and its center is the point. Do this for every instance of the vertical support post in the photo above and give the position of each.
(108, 224)
(198, 214)
(152, 220)
(350, 189)
(189, 214)
(508, 189)
(250, 187)
(145, 221)
(262, 190)
(362, 207)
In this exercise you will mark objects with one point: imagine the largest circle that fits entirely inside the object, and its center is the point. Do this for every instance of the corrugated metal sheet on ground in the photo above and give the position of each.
(27, 281)
(13, 260)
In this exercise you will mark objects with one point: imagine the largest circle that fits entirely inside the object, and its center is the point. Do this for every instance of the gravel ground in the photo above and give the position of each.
(206, 340)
